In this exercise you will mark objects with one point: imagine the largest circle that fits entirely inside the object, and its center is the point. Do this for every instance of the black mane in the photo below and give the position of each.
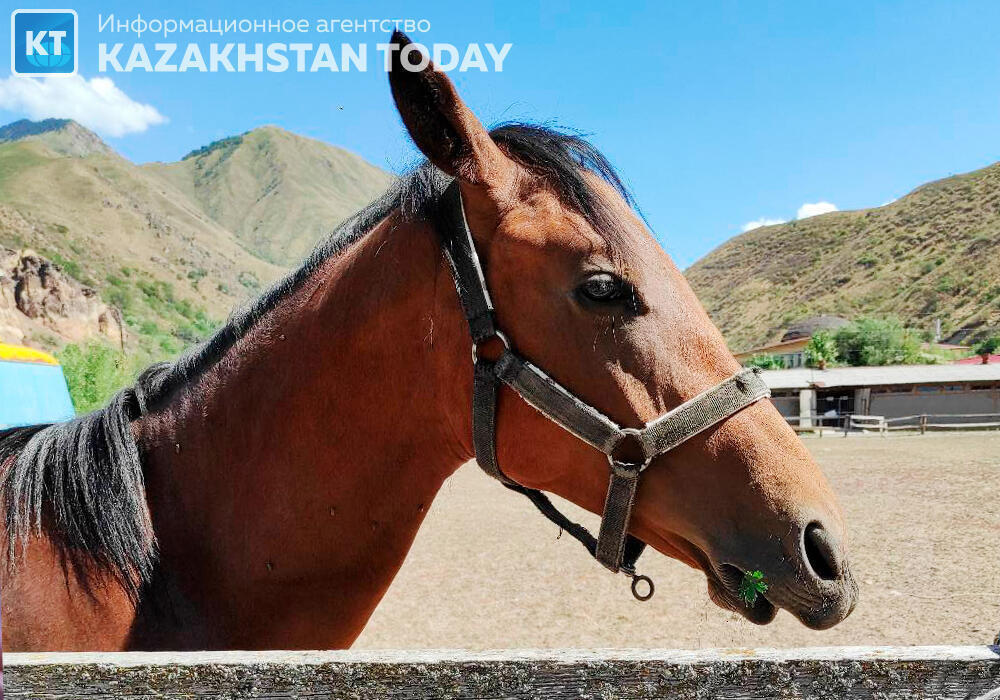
(81, 482)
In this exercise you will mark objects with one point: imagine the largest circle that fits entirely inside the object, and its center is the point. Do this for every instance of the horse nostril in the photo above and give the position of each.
(821, 552)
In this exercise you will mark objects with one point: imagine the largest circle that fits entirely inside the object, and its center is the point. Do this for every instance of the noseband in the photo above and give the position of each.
(613, 547)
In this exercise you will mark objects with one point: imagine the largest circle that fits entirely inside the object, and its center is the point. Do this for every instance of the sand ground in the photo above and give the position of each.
(924, 518)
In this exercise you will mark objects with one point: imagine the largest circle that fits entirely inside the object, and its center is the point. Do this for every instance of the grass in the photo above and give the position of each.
(163, 323)
(70, 267)
(751, 586)
(15, 159)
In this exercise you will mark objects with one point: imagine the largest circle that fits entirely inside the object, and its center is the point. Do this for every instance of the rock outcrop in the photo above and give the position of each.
(37, 297)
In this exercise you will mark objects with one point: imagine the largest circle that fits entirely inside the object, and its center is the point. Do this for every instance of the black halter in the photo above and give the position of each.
(613, 547)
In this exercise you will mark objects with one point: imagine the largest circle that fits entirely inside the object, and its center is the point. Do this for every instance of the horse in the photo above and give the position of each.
(263, 490)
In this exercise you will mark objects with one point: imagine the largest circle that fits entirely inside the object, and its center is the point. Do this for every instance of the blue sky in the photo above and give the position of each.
(717, 114)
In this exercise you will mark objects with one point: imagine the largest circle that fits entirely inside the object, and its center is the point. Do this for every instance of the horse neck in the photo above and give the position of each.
(308, 457)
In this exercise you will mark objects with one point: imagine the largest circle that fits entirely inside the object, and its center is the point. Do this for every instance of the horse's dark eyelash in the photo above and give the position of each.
(633, 299)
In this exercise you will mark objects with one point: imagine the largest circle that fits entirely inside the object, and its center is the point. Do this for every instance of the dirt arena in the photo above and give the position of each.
(924, 515)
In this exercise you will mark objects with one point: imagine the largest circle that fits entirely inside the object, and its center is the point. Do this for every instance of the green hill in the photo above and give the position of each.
(933, 254)
(154, 241)
(278, 192)
(63, 136)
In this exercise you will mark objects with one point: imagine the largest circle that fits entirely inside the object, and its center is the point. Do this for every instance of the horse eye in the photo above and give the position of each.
(603, 287)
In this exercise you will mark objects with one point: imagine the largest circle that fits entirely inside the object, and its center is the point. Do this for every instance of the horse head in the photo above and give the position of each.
(582, 288)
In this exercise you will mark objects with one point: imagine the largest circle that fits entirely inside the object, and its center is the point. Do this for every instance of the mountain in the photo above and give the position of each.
(933, 254)
(277, 191)
(63, 136)
(141, 237)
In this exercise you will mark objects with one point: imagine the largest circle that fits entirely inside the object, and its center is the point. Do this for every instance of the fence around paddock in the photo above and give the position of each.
(840, 672)
(916, 423)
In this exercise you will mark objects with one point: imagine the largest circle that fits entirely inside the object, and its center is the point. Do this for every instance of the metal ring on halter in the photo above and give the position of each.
(624, 467)
(627, 469)
(496, 334)
(636, 579)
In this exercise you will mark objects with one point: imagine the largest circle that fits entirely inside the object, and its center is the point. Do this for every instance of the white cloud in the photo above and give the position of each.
(96, 103)
(805, 211)
(814, 209)
(763, 221)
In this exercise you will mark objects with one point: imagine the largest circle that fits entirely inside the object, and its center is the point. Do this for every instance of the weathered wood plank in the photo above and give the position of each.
(834, 672)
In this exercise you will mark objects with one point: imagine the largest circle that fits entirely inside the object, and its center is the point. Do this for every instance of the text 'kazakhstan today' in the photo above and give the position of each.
(295, 53)
(278, 57)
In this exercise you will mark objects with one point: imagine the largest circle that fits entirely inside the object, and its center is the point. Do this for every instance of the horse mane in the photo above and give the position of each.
(81, 483)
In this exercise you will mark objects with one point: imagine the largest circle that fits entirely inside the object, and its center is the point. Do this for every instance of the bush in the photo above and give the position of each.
(988, 346)
(94, 372)
(249, 280)
(872, 341)
(765, 362)
(821, 350)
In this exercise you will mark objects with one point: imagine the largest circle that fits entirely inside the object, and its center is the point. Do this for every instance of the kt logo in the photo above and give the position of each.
(43, 42)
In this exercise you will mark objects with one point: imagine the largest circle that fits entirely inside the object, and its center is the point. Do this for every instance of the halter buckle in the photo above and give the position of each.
(497, 335)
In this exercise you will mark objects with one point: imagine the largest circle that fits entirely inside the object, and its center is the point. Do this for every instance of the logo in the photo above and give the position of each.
(43, 42)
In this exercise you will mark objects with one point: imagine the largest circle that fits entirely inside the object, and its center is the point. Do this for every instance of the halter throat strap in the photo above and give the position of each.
(613, 547)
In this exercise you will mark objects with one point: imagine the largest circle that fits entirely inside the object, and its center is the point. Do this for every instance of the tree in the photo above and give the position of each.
(821, 350)
(987, 348)
(874, 341)
(765, 362)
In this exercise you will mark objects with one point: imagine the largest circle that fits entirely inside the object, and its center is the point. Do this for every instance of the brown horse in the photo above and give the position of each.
(263, 491)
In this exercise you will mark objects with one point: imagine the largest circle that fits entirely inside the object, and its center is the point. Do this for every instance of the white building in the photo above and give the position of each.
(892, 391)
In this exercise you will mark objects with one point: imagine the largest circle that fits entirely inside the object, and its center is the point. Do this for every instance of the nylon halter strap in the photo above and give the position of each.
(613, 547)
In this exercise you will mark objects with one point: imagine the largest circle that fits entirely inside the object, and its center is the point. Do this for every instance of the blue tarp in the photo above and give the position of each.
(33, 393)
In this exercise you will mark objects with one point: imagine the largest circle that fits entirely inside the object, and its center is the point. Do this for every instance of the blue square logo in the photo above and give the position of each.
(43, 42)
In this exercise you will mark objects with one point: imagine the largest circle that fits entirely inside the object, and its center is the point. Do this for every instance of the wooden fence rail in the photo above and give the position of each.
(834, 672)
(922, 422)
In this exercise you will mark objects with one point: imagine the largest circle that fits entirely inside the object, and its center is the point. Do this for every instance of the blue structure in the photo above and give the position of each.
(32, 389)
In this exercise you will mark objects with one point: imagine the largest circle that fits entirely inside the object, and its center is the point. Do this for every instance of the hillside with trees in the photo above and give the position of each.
(933, 255)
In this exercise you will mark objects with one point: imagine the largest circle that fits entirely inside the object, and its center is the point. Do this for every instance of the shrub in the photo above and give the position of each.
(873, 341)
(94, 372)
(765, 362)
(821, 350)
(946, 285)
(196, 275)
(988, 347)
(249, 280)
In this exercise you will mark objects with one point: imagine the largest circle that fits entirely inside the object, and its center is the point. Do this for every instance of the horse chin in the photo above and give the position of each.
(723, 580)
(723, 587)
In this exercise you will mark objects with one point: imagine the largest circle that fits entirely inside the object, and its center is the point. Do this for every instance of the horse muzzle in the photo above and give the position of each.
(812, 581)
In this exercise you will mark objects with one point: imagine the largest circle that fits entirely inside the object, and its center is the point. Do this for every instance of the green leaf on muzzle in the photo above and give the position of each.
(751, 586)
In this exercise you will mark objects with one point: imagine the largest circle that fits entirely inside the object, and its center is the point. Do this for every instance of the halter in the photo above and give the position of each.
(613, 547)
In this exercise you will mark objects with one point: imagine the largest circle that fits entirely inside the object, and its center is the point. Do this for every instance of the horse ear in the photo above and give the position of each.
(443, 128)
